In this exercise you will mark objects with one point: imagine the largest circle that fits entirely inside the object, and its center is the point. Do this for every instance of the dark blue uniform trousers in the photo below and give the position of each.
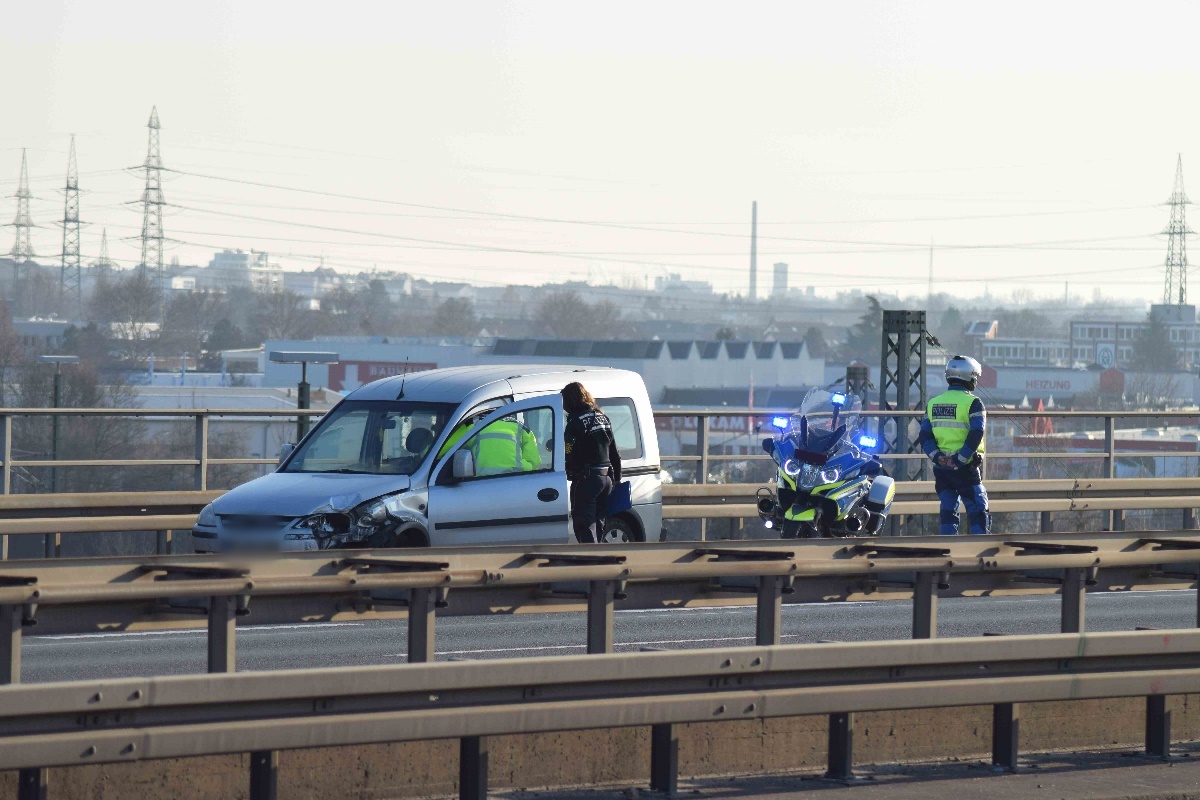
(965, 484)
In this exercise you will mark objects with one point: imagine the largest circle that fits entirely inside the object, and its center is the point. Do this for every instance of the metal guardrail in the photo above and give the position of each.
(1045, 496)
(53, 515)
(154, 592)
(701, 420)
(127, 720)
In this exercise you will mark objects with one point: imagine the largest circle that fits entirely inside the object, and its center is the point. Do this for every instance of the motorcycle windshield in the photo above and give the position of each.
(830, 414)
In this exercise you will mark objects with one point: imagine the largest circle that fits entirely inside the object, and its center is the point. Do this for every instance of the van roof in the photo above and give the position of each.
(452, 384)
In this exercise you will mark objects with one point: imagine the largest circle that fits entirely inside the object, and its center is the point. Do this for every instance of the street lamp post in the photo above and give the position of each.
(303, 358)
(57, 361)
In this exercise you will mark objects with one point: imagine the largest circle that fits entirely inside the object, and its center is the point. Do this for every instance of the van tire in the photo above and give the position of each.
(410, 537)
(621, 529)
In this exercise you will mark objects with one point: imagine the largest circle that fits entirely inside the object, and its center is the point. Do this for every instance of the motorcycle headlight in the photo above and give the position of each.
(813, 476)
(208, 517)
(791, 467)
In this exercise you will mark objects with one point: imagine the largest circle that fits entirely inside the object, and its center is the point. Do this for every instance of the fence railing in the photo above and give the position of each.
(54, 515)
(697, 425)
(757, 421)
(182, 716)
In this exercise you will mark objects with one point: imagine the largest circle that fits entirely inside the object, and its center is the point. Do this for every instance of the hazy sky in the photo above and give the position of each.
(1033, 143)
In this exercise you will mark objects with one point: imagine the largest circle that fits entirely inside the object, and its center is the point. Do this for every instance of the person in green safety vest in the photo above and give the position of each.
(952, 435)
(505, 446)
(461, 430)
(502, 447)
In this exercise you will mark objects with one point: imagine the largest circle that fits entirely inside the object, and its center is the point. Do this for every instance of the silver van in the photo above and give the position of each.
(394, 465)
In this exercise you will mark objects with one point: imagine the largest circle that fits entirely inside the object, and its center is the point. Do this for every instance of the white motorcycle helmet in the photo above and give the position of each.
(964, 370)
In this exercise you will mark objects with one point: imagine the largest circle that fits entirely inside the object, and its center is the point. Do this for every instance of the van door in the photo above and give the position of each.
(518, 494)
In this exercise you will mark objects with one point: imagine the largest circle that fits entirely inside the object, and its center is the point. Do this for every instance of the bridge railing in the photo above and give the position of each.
(265, 712)
(705, 433)
(52, 516)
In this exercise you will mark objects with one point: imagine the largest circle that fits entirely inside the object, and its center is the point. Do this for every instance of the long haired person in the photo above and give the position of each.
(593, 463)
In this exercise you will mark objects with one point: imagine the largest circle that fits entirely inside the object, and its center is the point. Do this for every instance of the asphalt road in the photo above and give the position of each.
(113, 655)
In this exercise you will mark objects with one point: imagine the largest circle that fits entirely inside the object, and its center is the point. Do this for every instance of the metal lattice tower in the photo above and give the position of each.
(70, 290)
(902, 388)
(103, 264)
(1175, 286)
(22, 249)
(902, 382)
(152, 207)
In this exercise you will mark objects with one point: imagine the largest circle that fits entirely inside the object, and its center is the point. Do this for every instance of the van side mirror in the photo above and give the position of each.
(463, 465)
(286, 450)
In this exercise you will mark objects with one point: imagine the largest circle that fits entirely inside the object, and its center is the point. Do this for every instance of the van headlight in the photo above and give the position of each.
(208, 517)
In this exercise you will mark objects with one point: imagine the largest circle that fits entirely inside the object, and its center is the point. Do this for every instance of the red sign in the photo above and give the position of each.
(345, 376)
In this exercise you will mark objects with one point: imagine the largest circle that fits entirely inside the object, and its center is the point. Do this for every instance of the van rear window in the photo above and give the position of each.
(626, 431)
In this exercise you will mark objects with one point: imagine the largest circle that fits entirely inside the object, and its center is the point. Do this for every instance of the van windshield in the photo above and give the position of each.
(373, 437)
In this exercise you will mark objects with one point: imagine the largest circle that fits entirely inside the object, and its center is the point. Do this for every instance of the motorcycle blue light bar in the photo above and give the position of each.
(867, 441)
(780, 422)
(838, 399)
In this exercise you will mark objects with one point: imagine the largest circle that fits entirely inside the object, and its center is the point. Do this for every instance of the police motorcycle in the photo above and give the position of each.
(829, 483)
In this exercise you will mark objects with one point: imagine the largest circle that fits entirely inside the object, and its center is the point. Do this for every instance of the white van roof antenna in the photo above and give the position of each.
(403, 378)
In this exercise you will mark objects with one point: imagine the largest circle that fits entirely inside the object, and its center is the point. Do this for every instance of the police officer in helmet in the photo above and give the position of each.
(593, 463)
(952, 435)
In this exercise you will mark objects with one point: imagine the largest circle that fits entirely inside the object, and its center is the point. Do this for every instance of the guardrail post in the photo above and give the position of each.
(421, 617)
(5, 456)
(1189, 519)
(1074, 591)
(53, 544)
(925, 599)
(600, 602)
(702, 446)
(264, 775)
(1158, 726)
(33, 784)
(10, 644)
(164, 542)
(222, 633)
(473, 768)
(769, 619)
(200, 482)
(1046, 523)
(841, 747)
(1110, 466)
(664, 759)
(1006, 735)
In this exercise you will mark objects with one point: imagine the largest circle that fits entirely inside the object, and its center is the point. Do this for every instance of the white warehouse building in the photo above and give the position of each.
(674, 371)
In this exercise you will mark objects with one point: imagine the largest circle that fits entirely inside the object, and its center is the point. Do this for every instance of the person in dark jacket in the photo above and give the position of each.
(593, 463)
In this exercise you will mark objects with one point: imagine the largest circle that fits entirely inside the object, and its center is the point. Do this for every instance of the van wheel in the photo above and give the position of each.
(620, 530)
(409, 538)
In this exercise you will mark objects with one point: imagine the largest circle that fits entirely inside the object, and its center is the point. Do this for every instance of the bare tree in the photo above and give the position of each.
(129, 305)
(189, 321)
(282, 315)
(454, 317)
(566, 315)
